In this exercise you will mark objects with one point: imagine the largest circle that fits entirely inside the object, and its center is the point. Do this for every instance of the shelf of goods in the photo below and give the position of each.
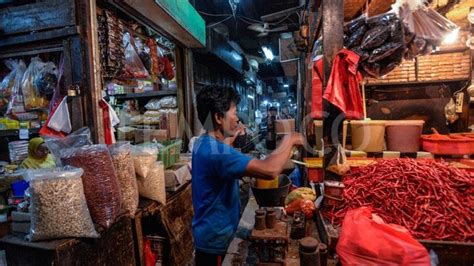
(148, 94)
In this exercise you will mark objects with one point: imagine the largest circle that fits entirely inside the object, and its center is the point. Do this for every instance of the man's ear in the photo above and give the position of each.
(219, 119)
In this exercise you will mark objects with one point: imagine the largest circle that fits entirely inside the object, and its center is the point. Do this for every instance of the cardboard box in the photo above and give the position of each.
(283, 126)
(176, 176)
(172, 118)
(145, 135)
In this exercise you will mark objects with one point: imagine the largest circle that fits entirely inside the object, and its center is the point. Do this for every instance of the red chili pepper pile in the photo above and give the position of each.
(433, 200)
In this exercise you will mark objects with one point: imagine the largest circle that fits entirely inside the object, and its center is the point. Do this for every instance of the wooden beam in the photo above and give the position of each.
(333, 22)
(93, 93)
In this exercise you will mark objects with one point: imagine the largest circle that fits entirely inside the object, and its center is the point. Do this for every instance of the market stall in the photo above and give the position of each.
(112, 66)
(397, 142)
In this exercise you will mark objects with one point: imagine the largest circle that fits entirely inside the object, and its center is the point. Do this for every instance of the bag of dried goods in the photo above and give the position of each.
(58, 205)
(143, 159)
(123, 163)
(31, 95)
(77, 138)
(101, 186)
(153, 185)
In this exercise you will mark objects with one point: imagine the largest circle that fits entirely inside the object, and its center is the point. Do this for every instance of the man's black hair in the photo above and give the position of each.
(212, 100)
(273, 108)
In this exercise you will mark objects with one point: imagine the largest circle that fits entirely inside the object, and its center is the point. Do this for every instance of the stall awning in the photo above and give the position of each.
(176, 18)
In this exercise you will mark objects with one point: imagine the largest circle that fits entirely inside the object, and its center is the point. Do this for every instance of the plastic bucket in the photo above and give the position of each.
(368, 135)
(19, 188)
(404, 135)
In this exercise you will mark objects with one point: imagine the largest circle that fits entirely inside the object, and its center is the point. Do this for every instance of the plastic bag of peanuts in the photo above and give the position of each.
(58, 205)
(124, 167)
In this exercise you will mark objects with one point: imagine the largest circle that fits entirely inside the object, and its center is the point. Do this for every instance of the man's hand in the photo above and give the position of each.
(296, 138)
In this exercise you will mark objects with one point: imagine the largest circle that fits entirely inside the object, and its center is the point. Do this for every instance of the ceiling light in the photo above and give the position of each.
(286, 85)
(268, 53)
(250, 97)
(265, 102)
(289, 100)
(452, 37)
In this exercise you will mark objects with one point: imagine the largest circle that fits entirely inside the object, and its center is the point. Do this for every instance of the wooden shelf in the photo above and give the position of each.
(147, 94)
(414, 82)
(16, 132)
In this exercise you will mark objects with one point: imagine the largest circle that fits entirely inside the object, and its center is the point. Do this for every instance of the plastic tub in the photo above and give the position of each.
(404, 135)
(19, 188)
(368, 135)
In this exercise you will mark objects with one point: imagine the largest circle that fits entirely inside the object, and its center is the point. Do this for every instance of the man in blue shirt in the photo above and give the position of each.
(216, 168)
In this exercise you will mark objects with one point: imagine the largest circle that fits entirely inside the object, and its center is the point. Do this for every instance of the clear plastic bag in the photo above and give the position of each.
(339, 164)
(15, 103)
(58, 205)
(101, 186)
(9, 80)
(153, 185)
(47, 80)
(124, 167)
(59, 119)
(424, 21)
(143, 159)
(31, 96)
(77, 138)
(165, 102)
(133, 65)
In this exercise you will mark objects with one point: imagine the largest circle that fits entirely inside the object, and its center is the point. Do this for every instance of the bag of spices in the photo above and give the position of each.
(124, 167)
(58, 205)
(152, 186)
(31, 94)
(77, 138)
(101, 186)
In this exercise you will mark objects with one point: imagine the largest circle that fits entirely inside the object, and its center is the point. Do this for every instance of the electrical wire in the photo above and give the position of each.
(219, 22)
(213, 15)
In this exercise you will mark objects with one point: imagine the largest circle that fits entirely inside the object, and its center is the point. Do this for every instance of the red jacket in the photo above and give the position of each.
(343, 86)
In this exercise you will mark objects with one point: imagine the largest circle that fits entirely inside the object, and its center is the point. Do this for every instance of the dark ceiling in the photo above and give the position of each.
(248, 12)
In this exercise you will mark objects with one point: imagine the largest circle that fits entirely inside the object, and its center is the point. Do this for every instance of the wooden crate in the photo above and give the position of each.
(114, 247)
(173, 221)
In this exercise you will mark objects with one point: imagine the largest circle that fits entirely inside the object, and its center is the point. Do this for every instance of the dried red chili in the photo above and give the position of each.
(432, 199)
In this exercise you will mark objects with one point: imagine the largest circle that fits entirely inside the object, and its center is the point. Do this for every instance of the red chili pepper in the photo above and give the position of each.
(432, 199)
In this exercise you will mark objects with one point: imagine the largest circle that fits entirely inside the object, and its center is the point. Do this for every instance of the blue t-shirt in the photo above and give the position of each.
(216, 168)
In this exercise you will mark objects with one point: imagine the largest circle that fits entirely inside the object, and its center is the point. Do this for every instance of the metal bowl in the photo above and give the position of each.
(272, 197)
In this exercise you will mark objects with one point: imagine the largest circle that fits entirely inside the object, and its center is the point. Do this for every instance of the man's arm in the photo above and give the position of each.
(272, 166)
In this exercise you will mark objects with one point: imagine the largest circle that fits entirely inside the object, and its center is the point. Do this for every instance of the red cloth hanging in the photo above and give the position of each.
(317, 89)
(106, 120)
(343, 86)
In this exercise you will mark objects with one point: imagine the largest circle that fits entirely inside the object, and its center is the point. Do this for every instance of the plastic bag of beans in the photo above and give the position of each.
(101, 186)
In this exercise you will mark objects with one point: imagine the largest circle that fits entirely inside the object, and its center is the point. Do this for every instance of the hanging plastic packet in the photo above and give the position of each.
(15, 105)
(47, 80)
(339, 164)
(8, 83)
(450, 112)
(133, 65)
(31, 96)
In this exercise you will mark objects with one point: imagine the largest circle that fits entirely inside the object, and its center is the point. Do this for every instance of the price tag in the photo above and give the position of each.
(24, 133)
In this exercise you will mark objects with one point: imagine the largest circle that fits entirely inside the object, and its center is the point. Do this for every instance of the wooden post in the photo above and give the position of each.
(333, 20)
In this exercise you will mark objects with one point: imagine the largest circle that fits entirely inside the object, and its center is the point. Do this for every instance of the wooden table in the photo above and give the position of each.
(114, 247)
